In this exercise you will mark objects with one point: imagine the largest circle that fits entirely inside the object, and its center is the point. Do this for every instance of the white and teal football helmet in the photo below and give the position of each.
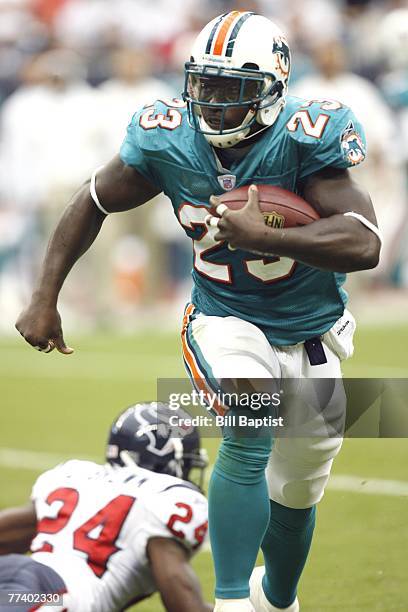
(239, 59)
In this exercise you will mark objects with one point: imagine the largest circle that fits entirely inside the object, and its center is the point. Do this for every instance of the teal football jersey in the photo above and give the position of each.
(289, 301)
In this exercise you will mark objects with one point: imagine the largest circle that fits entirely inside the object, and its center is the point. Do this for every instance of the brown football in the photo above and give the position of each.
(281, 208)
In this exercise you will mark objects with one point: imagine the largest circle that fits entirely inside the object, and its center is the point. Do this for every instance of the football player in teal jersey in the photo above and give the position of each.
(267, 303)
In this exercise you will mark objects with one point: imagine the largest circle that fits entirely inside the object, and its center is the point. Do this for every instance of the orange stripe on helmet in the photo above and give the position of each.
(224, 29)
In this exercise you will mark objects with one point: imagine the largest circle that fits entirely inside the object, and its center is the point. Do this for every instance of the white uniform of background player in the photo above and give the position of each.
(94, 523)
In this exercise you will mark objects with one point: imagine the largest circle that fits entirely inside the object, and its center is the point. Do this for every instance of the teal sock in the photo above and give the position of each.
(285, 546)
(238, 512)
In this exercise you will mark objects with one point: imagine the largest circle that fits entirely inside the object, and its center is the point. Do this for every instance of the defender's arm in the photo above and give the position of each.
(118, 187)
(335, 242)
(177, 583)
(17, 529)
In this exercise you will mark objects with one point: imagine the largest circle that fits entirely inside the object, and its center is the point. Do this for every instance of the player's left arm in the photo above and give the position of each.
(175, 579)
(17, 529)
(336, 242)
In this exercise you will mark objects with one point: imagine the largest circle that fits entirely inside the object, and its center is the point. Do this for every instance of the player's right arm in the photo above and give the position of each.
(17, 529)
(119, 187)
(175, 579)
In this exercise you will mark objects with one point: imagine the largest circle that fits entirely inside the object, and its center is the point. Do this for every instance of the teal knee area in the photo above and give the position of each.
(238, 518)
(243, 460)
(285, 546)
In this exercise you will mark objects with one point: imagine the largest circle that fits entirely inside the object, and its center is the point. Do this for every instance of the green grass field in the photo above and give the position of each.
(56, 406)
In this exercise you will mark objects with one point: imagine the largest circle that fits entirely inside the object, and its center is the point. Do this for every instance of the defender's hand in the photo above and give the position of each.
(41, 327)
(242, 229)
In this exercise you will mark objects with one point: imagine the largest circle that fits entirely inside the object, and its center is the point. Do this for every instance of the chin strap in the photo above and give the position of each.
(211, 139)
(178, 456)
(222, 141)
(265, 117)
(269, 114)
(265, 127)
(128, 461)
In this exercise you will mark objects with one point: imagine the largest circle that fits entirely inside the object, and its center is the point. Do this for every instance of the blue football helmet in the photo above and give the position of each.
(142, 435)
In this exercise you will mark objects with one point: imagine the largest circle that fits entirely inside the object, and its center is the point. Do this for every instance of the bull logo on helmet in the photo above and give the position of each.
(280, 49)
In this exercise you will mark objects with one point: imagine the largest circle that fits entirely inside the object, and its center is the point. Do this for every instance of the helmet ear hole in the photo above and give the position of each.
(250, 66)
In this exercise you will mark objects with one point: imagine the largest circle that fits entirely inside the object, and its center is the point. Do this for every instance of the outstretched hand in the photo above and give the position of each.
(242, 229)
(41, 327)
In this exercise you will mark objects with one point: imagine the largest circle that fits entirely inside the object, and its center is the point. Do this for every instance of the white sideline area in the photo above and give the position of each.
(20, 459)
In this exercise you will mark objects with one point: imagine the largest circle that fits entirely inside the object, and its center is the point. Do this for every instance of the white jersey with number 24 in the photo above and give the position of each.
(94, 522)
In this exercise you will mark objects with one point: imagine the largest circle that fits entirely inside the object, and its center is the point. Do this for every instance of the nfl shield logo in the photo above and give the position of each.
(227, 181)
(274, 219)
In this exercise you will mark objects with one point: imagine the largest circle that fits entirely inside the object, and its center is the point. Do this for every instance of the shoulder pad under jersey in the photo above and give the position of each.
(155, 131)
(179, 512)
(327, 133)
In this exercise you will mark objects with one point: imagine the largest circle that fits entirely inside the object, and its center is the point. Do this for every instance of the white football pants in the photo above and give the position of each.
(231, 348)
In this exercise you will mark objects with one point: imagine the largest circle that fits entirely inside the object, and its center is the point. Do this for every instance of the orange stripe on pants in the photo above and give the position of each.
(197, 375)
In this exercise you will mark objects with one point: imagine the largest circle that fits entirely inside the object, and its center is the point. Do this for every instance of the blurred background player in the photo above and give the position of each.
(383, 172)
(111, 535)
(393, 82)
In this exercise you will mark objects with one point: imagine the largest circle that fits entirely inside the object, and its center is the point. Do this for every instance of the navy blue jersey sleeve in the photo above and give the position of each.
(327, 136)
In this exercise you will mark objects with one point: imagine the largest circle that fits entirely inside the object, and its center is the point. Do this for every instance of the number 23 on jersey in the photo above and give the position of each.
(267, 271)
(150, 120)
